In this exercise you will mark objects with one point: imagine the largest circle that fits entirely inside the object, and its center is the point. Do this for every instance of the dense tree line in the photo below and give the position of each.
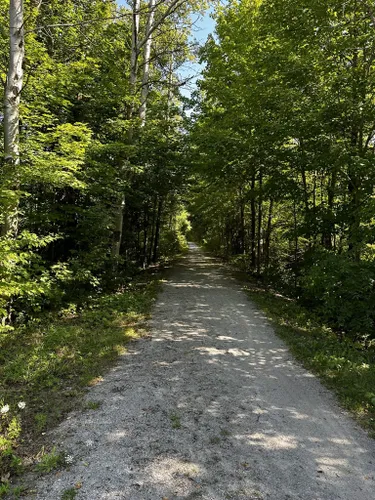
(93, 164)
(283, 141)
(97, 159)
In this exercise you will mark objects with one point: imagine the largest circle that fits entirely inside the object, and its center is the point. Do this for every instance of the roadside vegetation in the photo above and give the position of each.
(92, 178)
(47, 366)
(103, 173)
(283, 142)
(344, 365)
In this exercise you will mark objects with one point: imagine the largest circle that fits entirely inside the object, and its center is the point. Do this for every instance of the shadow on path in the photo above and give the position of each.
(213, 407)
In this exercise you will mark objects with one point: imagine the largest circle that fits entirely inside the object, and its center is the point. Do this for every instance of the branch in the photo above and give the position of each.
(175, 5)
(371, 14)
(81, 23)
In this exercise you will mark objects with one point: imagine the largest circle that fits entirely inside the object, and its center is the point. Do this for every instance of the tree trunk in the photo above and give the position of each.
(327, 237)
(157, 231)
(253, 224)
(146, 63)
(134, 57)
(118, 228)
(267, 243)
(153, 228)
(354, 237)
(12, 98)
(296, 248)
(145, 241)
(259, 235)
(242, 223)
(119, 217)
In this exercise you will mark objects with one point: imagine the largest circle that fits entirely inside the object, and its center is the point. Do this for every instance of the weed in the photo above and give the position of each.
(50, 461)
(4, 489)
(93, 405)
(40, 421)
(55, 359)
(15, 492)
(10, 430)
(176, 421)
(215, 440)
(225, 432)
(69, 494)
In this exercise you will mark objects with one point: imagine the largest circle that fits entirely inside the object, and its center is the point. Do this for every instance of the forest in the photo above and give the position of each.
(283, 142)
(107, 169)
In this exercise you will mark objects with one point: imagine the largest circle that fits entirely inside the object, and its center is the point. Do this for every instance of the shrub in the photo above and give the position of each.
(10, 430)
(342, 292)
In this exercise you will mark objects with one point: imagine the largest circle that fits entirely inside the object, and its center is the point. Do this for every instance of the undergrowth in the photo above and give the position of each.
(343, 365)
(49, 365)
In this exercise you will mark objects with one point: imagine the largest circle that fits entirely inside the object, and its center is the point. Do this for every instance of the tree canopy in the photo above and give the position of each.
(283, 145)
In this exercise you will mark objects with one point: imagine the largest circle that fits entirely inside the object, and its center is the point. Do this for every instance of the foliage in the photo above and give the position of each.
(86, 161)
(69, 494)
(81, 151)
(282, 141)
(10, 430)
(50, 461)
(51, 363)
(342, 292)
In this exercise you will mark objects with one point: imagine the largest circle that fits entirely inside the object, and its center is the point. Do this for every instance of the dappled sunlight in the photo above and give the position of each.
(117, 436)
(212, 404)
(273, 442)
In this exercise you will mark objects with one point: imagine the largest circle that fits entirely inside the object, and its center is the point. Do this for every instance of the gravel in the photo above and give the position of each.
(211, 406)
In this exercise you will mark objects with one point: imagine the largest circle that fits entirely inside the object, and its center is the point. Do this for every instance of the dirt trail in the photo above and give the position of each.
(212, 407)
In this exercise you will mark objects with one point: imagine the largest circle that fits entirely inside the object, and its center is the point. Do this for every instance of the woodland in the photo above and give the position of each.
(107, 168)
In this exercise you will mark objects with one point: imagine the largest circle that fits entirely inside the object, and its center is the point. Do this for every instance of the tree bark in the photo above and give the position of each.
(327, 237)
(118, 228)
(260, 215)
(12, 99)
(242, 222)
(267, 243)
(157, 231)
(253, 223)
(145, 240)
(146, 63)
(119, 217)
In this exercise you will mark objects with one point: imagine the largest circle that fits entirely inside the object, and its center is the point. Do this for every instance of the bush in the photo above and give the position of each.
(29, 285)
(10, 430)
(342, 292)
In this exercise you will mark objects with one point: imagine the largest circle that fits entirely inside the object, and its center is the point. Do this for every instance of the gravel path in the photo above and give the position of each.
(212, 406)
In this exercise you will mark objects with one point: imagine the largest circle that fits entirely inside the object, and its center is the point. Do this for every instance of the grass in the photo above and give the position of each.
(175, 421)
(50, 461)
(345, 366)
(69, 494)
(51, 364)
(93, 405)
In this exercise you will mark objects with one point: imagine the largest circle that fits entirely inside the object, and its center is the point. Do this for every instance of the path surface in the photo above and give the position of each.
(212, 407)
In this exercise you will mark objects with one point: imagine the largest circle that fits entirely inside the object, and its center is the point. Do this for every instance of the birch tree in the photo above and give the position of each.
(146, 63)
(12, 98)
(157, 12)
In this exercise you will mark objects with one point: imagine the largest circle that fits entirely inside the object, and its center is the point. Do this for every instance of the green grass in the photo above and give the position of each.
(93, 405)
(69, 494)
(345, 366)
(50, 365)
(175, 421)
(50, 461)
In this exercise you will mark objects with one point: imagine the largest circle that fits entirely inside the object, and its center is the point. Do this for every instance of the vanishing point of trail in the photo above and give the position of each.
(211, 406)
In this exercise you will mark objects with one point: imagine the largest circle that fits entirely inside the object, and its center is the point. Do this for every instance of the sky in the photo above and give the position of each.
(203, 26)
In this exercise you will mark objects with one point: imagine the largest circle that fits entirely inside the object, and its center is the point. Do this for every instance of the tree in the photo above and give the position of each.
(12, 98)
